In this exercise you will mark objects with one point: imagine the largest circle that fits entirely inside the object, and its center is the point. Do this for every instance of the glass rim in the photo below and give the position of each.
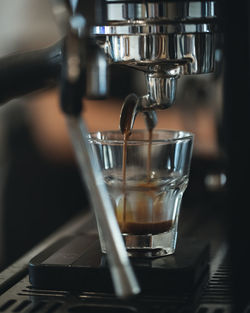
(183, 135)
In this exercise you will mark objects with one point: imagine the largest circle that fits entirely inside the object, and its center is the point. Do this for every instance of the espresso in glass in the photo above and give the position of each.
(146, 176)
(146, 214)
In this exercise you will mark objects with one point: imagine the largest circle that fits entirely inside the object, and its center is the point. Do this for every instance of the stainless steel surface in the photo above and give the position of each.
(157, 36)
(189, 46)
(161, 85)
(150, 119)
(170, 10)
(124, 280)
(97, 73)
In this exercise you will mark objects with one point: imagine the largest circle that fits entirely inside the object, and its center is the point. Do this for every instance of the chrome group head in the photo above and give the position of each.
(164, 39)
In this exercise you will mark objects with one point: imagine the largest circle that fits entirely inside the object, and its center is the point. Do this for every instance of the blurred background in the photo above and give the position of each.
(40, 187)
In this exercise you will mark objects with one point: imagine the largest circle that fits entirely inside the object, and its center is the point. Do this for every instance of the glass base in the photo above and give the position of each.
(149, 246)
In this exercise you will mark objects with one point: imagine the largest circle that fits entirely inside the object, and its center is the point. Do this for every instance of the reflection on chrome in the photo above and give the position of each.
(158, 38)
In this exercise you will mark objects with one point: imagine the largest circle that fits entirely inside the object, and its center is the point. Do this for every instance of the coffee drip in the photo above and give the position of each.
(138, 221)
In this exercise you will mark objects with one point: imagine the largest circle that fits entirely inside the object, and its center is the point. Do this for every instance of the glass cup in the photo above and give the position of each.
(147, 194)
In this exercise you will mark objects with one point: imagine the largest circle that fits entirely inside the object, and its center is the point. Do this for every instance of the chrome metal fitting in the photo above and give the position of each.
(150, 36)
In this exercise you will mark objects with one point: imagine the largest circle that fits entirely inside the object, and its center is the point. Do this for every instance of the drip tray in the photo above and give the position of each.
(76, 263)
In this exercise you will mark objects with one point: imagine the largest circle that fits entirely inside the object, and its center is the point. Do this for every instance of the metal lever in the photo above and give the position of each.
(125, 283)
(124, 280)
(72, 90)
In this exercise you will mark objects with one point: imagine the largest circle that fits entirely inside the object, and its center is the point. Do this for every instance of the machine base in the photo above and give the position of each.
(76, 263)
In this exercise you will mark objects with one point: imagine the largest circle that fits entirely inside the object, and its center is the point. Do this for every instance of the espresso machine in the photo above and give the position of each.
(164, 40)
(139, 35)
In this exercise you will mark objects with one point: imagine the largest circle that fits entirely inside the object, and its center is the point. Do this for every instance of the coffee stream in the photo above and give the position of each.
(150, 135)
(126, 135)
(156, 225)
(124, 162)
